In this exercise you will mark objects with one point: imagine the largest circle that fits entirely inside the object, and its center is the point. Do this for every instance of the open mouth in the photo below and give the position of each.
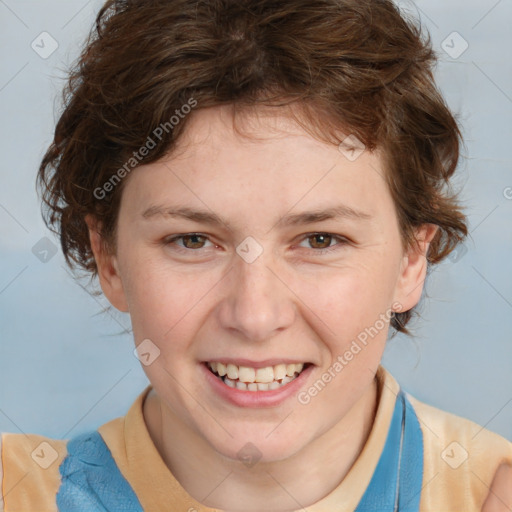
(245, 378)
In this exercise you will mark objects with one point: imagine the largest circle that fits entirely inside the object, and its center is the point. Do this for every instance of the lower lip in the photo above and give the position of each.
(269, 398)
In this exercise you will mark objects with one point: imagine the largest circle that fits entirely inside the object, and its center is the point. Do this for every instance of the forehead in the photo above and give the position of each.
(258, 161)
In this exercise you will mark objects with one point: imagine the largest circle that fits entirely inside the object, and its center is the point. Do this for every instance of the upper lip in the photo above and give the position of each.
(256, 364)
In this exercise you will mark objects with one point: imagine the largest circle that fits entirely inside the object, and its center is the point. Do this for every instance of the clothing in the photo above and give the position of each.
(447, 463)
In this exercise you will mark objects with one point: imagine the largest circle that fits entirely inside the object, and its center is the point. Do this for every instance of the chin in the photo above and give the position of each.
(253, 446)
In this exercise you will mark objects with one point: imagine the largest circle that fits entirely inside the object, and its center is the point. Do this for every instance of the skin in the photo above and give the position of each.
(499, 498)
(292, 302)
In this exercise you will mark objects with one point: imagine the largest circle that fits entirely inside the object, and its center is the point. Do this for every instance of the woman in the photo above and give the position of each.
(261, 186)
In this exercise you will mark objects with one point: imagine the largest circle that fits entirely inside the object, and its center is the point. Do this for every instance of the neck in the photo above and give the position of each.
(277, 486)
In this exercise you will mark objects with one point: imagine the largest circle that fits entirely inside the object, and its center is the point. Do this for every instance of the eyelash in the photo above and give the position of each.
(342, 241)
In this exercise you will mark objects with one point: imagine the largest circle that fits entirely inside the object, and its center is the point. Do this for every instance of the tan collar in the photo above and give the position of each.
(156, 487)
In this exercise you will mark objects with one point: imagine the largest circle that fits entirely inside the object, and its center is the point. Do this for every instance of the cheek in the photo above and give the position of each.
(163, 302)
(353, 324)
(337, 300)
(350, 310)
(350, 296)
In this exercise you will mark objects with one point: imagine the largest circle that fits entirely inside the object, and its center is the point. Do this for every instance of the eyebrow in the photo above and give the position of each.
(296, 219)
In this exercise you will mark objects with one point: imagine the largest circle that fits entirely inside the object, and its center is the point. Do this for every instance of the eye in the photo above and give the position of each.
(194, 242)
(190, 241)
(321, 242)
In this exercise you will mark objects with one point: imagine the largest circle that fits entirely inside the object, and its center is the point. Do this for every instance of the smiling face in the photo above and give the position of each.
(291, 251)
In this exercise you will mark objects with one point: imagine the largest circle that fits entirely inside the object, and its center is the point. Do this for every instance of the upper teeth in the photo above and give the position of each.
(247, 374)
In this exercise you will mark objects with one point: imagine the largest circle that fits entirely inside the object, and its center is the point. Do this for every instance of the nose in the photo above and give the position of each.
(258, 304)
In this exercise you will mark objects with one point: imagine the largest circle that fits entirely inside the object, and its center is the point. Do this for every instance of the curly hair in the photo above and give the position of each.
(360, 65)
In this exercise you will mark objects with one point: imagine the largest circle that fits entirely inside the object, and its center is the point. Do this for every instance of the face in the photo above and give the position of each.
(261, 253)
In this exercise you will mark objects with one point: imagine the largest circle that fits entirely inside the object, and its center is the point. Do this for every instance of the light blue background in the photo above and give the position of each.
(63, 367)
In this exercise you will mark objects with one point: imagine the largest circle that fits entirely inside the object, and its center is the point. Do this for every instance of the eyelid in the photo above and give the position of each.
(342, 241)
(172, 238)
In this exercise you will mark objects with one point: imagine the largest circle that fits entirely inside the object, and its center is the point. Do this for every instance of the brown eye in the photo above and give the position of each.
(323, 243)
(189, 241)
(320, 240)
(193, 241)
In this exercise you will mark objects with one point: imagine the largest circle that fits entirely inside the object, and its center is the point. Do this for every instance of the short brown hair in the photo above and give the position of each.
(357, 65)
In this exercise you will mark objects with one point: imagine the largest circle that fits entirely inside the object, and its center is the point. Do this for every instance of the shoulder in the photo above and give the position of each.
(29, 470)
(45, 474)
(85, 472)
(460, 459)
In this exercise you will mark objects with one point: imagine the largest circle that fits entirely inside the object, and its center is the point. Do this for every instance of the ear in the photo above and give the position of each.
(413, 269)
(108, 269)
